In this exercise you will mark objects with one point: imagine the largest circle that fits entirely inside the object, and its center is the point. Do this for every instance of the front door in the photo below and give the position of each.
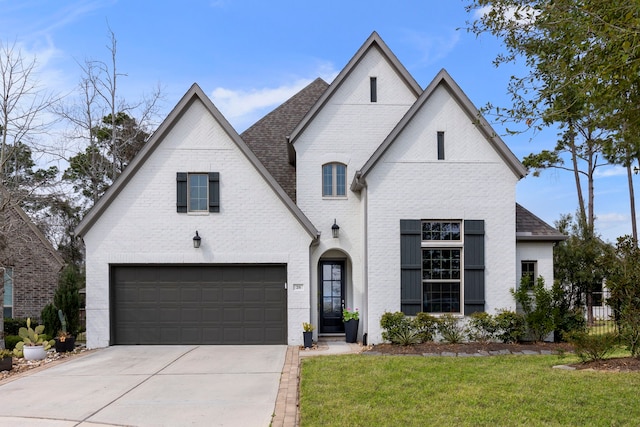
(332, 276)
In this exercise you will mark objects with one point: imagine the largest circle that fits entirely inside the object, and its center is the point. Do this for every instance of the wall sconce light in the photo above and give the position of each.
(335, 230)
(196, 240)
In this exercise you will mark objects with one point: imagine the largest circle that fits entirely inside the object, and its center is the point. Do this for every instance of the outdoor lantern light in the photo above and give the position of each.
(335, 230)
(196, 240)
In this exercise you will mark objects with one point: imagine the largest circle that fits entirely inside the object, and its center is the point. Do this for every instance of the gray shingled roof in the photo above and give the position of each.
(530, 227)
(267, 138)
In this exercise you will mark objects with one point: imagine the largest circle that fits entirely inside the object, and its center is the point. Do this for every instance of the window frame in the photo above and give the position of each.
(7, 277)
(443, 245)
(533, 274)
(335, 184)
(205, 177)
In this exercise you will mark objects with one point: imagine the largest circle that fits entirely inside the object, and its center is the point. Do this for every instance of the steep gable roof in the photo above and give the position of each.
(374, 41)
(194, 94)
(443, 79)
(18, 212)
(530, 227)
(267, 138)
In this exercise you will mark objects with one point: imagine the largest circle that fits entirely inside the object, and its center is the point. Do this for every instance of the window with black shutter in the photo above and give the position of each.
(197, 192)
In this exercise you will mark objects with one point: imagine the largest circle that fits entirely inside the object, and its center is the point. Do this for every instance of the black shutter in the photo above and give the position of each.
(181, 185)
(214, 192)
(473, 266)
(410, 266)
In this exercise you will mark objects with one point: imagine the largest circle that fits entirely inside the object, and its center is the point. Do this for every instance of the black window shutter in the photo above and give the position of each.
(410, 266)
(181, 185)
(473, 266)
(214, 192)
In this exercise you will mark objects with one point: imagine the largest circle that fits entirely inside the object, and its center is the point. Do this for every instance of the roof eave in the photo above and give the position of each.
(195, 92)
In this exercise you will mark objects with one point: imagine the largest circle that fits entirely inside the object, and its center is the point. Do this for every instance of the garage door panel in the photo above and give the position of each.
(199, 304)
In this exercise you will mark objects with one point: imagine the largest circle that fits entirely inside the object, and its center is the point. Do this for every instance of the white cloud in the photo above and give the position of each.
(525, 15)
(612, 217)
(235, 104)
(243, 107)
(434, 49)
(611, 171)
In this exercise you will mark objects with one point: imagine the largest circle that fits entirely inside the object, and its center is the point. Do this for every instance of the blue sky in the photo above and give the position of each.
(251, 55)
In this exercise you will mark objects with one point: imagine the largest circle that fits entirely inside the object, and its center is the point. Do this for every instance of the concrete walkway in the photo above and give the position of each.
(150, 386)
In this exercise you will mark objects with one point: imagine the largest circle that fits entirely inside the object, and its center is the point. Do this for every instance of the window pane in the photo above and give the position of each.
(327, 180)
(441, 297)
(198, 192)
(8, 287)
(341, 179)
(441, 231)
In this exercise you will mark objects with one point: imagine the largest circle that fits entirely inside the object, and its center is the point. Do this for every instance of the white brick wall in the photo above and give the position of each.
(409, 182)
(142, 226)
(542, 252)
(348, 130)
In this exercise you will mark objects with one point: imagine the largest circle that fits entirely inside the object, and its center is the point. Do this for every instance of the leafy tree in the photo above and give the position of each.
(624, 284)
(580, 264)
(584, 74)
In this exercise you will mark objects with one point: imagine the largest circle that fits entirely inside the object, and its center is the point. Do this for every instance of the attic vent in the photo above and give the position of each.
(373, 82)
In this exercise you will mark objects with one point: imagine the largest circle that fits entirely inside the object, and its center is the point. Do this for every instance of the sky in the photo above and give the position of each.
(249, 56)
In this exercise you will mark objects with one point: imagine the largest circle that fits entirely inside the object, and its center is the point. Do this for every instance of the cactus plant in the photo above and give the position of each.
(31, 337)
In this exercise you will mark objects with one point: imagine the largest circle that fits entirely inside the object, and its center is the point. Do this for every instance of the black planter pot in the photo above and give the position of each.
(6, 364)
(351, 330)
(308, 339)
(67, 345)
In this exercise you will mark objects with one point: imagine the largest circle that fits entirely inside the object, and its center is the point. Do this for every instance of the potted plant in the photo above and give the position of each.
(351, 320)
(6, 360)
(64, 341)
(307, 334)
(33, 345)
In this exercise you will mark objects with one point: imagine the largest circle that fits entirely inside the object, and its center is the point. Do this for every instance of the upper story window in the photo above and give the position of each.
(8, 292)
(334, 180)
(198, 192)
(529, 270)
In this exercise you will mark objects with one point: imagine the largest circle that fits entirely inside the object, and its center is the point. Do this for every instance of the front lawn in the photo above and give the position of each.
(358, 390)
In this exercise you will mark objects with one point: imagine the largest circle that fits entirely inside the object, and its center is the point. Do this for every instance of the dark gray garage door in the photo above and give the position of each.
(230, 304)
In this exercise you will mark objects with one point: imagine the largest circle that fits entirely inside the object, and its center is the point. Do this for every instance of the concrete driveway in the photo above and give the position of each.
(150, 386)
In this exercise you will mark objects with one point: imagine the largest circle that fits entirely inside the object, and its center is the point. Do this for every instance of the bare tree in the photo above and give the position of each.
(109, 128)
(23, 104)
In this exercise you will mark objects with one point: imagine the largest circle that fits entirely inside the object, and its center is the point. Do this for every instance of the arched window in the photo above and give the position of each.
(334, 180)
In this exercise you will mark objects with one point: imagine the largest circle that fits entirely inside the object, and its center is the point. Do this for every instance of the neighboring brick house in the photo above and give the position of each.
(212, 237)
(29, 265)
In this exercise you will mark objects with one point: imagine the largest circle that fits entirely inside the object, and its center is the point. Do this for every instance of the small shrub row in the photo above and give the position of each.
(506, 326)
(591, 347)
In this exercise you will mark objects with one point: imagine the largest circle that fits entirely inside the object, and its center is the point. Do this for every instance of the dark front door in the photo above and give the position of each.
(332, 276)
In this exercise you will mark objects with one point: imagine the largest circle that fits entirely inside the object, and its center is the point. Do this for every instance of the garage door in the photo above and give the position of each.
(230, 304)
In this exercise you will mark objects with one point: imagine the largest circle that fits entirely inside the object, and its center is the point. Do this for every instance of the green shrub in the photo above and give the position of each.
(510, 326)
(537, 304)
(450, 329)
(392, 324)
(49, 316)
(10, 341)
(403, 330)
(591, 347)
(12, 326)
(426, 325)
(481, 327)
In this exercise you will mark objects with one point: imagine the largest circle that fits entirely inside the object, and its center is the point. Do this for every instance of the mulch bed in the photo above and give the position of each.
(619, 364)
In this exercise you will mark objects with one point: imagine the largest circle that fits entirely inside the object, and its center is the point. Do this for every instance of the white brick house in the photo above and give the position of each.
(422, 190)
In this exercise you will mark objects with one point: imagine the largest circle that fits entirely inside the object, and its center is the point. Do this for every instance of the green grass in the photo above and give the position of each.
(358, 390)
